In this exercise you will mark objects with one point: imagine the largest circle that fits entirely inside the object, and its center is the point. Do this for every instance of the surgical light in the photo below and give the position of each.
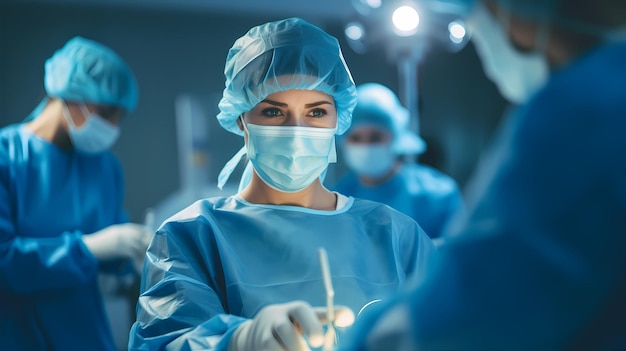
(374, 3)
(365, 7)
(406, 20)
(354, 31)
(457, 32)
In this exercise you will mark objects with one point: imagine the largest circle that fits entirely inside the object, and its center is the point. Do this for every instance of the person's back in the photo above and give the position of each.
(538, 262)
(373, 149)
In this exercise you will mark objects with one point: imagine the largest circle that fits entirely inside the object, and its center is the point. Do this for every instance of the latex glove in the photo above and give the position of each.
(281, 327)
(119, 241)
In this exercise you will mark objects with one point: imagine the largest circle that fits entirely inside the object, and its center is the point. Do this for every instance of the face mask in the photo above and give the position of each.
(289, 158)
(372, 161)
(517, 75)
(94, 136)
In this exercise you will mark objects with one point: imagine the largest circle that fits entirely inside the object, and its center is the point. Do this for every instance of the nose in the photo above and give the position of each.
(296, 119)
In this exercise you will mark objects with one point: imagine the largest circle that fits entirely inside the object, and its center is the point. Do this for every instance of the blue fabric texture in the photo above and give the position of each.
(421, 192)
(49, 297)
(215, 264)
(539, 262)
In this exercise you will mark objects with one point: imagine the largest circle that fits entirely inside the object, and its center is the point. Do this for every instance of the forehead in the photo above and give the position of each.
(296, 96)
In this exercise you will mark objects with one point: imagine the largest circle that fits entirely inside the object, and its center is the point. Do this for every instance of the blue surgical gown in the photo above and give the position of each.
(539, 263)
(419, 191)
(49, 297)
(213, 265)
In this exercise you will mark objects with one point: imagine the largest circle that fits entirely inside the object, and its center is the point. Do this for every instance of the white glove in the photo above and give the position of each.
(281, 327)
(119, 241)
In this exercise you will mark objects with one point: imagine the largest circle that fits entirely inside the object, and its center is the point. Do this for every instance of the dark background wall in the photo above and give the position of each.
(174, 52)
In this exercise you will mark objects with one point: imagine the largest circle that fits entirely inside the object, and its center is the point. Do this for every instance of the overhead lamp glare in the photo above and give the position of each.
(405, 19)
(354, 31)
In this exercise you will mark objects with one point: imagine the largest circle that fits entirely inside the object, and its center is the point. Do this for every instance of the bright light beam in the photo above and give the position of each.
(354, 31)
(405, 19)
(374, 3)
(456, 30)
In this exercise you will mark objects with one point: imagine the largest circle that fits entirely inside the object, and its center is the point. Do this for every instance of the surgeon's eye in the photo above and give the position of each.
(271, 112)
(377, 138)
(318, 112)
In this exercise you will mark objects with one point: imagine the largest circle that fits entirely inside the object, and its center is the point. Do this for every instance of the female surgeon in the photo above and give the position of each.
(61, 194)
(242, 272)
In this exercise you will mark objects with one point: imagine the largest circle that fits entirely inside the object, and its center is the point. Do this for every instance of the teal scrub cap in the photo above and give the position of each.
(284, 55)
(378, 106)
(84, 70)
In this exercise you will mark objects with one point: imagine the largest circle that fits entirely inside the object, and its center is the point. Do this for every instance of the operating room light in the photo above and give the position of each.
(354, 31)
(374, 3)
(405, 19)
(457, 32)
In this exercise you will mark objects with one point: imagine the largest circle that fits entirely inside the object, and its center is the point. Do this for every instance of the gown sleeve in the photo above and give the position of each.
(181, 305)
(31, 264)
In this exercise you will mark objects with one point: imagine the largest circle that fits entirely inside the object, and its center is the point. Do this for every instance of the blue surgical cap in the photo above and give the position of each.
(284, 55)
(84, 70)
(378, 106)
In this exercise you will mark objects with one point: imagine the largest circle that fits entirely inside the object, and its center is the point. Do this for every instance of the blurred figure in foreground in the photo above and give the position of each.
(61, 195)
(538, 263)
(373, 148)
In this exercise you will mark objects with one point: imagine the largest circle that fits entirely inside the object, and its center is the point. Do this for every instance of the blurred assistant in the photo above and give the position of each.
(538, 262)
(61, 195)
(242, 273)
(373, 148)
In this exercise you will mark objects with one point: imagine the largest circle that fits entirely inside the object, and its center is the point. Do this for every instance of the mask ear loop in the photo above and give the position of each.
(68, 115)
(230, 166)
(243, 124)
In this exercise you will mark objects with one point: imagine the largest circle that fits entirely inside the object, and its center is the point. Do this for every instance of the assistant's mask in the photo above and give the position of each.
(369, 160)
(95, 135)
(517, 75)
(290, 158)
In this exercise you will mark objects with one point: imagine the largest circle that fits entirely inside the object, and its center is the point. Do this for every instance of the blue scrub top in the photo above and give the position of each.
(419, 191)
(215, 264)
(539, 263)
(49, 297)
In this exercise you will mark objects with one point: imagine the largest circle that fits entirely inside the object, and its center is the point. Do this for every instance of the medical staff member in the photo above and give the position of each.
(539, 263)
(61, 194)
(242, 272)
(373, 148)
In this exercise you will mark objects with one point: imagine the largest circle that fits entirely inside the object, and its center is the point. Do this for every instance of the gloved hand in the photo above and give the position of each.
(118, 241)
(281, 327)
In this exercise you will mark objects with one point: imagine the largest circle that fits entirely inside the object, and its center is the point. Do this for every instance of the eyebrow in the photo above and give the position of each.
(282, 104)
(313, 104)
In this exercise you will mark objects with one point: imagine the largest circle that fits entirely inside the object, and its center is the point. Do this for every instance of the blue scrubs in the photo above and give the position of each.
(540, 262)
(49, 297)
(421, 192)
(218, 262)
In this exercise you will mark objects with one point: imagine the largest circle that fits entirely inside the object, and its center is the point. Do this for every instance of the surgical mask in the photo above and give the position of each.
(290, 158)
(369, 160)
(517, 75)
(95, 135)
